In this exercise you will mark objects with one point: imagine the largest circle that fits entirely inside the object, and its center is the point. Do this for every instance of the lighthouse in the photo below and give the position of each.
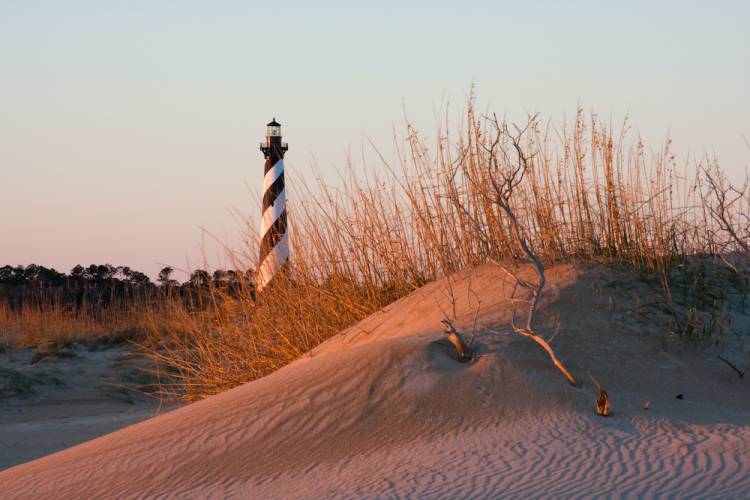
(274, 240)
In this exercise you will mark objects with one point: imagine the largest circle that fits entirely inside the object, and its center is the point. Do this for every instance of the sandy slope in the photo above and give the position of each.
(383, 409)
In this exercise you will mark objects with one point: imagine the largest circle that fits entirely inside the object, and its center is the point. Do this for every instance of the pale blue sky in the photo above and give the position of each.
(127, 126)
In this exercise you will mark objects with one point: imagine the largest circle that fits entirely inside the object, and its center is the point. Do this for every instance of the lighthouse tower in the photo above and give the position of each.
(274, 240)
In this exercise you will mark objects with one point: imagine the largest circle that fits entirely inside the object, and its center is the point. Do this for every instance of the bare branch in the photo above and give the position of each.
(722, 212)
(503, 190)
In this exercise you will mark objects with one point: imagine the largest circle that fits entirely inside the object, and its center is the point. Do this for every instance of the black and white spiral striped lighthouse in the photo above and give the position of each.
(274, 240)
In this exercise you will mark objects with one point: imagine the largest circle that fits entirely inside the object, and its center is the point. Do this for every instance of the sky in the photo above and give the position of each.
(129, 131)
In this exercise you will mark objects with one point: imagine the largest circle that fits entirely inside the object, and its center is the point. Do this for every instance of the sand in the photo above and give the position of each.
(59, 402)
(384, 409)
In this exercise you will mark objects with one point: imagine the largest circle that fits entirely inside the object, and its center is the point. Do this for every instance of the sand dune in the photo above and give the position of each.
(384, 409)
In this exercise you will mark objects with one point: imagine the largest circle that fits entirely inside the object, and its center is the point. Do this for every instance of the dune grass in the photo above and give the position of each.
(592, 193)
(358, 243)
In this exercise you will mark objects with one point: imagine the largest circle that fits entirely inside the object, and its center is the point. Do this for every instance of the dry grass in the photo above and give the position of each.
(233, 339)
(39, 325)
(590, 192)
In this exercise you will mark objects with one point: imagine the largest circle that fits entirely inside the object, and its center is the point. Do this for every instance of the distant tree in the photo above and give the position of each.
(221, 278)
(77, 272)
(19, 275)
(7, 275)
(46, 277)
(30, 275)
(99, 273)
(231, 278)
(137, 278)
(76, 277)
(97, 285)
(200, 278)
(165, 277)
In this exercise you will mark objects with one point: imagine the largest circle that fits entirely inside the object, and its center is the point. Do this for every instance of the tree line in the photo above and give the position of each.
(101, 285)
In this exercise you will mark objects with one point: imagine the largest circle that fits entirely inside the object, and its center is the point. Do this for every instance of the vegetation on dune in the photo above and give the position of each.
(589, 192)
(21, 383)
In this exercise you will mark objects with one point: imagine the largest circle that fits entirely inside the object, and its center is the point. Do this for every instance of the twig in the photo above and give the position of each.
(731, 365)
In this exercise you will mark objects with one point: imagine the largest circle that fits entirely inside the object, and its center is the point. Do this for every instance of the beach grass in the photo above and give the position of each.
(593, 192)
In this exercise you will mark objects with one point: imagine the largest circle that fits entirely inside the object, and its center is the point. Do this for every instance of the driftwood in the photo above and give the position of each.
(506, 175)
(602, 402)
(463, 349)
(503, 189)
(464, 352)
(545, 345)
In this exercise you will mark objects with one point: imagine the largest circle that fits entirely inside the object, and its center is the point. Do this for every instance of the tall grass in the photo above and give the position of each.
(44, 323)
(592, 192)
